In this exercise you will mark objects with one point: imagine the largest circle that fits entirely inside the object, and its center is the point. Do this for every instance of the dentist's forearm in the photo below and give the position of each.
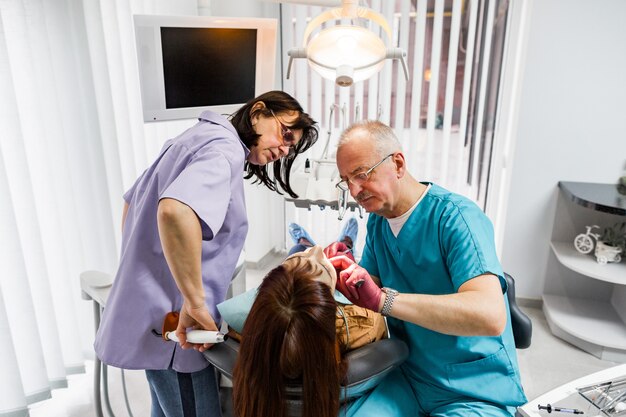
(478, 309)
(181, 238)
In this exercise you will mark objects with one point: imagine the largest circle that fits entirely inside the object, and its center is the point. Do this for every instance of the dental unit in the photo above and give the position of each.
(316, 183)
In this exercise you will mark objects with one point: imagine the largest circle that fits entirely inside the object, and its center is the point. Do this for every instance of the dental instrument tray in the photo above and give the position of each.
(608, 396)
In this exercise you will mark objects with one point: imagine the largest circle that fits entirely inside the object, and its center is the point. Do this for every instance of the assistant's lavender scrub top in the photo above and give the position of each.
(202, 168)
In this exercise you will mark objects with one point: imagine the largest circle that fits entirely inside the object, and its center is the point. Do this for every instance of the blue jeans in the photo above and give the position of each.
(178, 394)
(298, 247)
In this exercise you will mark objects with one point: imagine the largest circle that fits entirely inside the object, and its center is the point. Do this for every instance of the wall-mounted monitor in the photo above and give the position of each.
(188, 64)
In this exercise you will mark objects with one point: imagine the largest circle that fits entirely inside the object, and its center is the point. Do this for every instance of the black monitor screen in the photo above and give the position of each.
(207, 67)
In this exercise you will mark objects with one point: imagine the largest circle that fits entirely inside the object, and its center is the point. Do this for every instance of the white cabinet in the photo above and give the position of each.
(585, 302)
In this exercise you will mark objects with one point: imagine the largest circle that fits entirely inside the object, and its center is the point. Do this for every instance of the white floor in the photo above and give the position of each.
(548, 363)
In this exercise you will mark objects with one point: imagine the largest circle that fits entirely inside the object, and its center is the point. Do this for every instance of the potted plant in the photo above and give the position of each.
(611, 244)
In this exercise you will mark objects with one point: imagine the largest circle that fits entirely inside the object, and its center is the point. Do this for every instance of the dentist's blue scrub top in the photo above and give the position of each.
(446, 241)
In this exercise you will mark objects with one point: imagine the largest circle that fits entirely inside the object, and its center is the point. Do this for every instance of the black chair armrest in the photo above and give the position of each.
(367, 366)
(370, 364)
(374, 359)
(223, 356)
(520, 322)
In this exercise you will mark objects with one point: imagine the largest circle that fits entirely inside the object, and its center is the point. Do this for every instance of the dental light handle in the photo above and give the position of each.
(199, 336)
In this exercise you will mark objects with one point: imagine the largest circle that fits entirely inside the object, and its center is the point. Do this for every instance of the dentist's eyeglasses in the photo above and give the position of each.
(360, 178)
(289, 139)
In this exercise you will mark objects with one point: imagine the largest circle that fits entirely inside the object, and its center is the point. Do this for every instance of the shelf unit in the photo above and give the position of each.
(585, 302)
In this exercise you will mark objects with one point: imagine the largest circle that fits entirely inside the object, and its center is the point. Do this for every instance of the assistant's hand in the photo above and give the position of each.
(336, 249)
(356, 284)
(197, 318)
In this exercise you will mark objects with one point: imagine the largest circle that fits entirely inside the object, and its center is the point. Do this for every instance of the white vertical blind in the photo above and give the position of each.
(20, 192)
(302, 72)
(484, 71)
(316, 80)
(104, 108)
(19, 306)
(401, 100)
(28, 370)
(386, 74)
(417, 75)
(131, 78)
(41, 154)
(433, 89)
(450, 89)
(72, 141)
(13, 398)
(57, 159)
(96, 211)
(467, 81)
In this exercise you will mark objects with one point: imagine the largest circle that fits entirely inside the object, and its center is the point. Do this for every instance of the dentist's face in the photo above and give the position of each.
(277, 138)
(318, 261)
(377, 194)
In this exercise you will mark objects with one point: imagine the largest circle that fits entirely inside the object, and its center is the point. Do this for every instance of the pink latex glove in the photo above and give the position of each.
(356, 284)
(336, 249)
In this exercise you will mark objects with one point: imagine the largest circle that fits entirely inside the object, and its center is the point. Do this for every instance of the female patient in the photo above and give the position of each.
(289, 337)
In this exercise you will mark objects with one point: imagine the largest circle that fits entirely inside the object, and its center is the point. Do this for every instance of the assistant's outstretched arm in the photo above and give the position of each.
(181, 238)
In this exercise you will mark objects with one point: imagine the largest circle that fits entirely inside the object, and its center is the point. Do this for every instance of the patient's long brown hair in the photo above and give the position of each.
(289, 337)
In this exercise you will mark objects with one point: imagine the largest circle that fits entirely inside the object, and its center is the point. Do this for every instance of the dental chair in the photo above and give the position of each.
(521, 324)
(367, 366)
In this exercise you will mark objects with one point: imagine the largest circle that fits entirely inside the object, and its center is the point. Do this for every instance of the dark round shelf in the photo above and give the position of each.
(600, 197)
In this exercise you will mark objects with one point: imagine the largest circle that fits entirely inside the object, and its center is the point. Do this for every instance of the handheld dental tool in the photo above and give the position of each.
(199, 336)
(549, 408)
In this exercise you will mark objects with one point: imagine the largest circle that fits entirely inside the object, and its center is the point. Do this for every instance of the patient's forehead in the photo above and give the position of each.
(318, 268)
(300, 257)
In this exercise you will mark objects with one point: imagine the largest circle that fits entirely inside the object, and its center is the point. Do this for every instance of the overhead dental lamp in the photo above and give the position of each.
(346, 53)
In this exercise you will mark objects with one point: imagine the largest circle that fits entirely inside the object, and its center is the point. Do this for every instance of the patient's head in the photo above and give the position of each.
(319, 267)
(289, 337)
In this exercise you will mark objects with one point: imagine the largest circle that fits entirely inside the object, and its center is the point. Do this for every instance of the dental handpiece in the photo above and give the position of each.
(549, 408)
(199, 336)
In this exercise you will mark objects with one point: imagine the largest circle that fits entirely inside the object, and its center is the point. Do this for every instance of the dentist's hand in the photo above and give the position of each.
(356, 284)
(196, 318)
(336, 249)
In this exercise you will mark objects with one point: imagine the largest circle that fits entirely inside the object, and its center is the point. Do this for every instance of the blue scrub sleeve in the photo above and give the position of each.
(468, 241)
(204, 185)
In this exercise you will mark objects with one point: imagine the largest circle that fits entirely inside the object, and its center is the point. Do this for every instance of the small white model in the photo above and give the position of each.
(605, 253)
(584, 243)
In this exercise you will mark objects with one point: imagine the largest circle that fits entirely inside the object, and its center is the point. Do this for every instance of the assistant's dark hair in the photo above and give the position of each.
(289, 338)
(276, 101)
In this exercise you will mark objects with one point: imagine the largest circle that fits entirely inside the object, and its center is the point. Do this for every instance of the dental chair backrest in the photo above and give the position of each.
(367, 367)
(521, 324)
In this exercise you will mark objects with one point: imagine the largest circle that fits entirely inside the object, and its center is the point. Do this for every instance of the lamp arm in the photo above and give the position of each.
(399, 53)
(330, 130)
(294, 53)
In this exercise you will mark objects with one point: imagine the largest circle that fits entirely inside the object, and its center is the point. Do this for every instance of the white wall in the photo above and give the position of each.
(571, 123)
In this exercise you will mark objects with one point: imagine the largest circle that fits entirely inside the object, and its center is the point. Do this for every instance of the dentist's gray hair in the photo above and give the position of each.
(382, 135)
